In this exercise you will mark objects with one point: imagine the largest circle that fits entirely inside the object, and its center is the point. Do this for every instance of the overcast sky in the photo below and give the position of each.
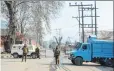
(69, 25)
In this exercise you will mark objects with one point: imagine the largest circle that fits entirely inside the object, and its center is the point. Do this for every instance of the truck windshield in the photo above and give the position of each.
(78, 46)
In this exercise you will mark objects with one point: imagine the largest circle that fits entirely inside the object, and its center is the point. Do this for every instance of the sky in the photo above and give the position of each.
(3, 24)
(69, 25)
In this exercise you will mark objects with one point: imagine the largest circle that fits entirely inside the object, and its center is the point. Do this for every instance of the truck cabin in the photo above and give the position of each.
(82, 46)
(78, 46)
(90, 39)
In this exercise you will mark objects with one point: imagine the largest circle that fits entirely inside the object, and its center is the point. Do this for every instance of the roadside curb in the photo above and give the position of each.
(6, 56)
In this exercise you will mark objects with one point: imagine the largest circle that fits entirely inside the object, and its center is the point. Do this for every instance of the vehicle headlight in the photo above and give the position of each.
(72, 55)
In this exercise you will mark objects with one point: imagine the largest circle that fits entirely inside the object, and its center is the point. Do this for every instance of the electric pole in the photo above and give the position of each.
(92, 18)
(83, 8)
(79, 20)
(95, 19)
(81, 17)
(82, 24)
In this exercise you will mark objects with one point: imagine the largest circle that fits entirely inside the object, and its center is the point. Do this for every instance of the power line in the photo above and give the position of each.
(82, 8)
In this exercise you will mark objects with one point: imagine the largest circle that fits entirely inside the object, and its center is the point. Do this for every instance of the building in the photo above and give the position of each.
(4, 33)
(102, 34)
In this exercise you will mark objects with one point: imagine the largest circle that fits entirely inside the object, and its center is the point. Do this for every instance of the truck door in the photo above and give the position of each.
(86, 52)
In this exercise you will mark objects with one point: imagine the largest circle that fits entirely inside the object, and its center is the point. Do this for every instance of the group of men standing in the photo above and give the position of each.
(56, 53)
(25, 51)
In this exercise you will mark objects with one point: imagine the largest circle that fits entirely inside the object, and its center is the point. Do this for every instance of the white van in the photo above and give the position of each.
(17, 51)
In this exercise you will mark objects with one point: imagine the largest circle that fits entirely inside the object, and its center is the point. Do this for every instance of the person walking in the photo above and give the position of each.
(37, 50)
(56, 55)
(25, 51)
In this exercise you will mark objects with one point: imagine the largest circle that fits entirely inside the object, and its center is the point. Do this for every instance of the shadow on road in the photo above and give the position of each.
(53, 66)
(90, 66)
(68, 64)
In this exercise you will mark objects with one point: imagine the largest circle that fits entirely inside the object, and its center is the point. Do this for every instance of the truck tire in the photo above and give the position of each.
(15, 55)
(109, 63)
(73, 62)
(102, 63)
(78, 61)
(33, 56)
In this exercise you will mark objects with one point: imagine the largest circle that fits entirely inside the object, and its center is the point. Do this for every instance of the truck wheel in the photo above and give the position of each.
(73, 62)
(102, 63)
(78, 61)
(33, 56)
(15, 55)
(109, 63)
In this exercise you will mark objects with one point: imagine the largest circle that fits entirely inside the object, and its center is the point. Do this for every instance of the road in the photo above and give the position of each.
(48, 64)
(68, 66)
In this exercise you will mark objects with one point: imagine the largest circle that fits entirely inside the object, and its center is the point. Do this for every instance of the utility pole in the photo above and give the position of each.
(81, 17)
(79, 20)
(82, 24)
(92, 18)
(82, 8)
(95, 19)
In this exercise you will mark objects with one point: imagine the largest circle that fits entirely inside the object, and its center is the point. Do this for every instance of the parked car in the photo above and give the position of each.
(17, 52)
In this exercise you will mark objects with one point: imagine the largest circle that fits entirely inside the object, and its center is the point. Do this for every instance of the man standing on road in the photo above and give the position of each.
(37, 52)
(56, 55)
(25, 51)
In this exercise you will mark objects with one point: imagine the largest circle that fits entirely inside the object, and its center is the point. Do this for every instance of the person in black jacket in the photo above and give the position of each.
(37, 52)
(56, 55)
(25, 51)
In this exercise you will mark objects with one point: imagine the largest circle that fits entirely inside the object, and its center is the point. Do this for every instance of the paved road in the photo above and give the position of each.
(48, 64)
(31, 64)
(68, 66)
(43, 64)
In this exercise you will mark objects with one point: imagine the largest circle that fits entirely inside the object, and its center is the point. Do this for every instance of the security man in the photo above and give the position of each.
(56, 55)
(37, 52)
(25, 51)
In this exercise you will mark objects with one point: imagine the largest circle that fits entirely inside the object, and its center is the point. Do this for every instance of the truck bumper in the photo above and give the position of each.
(71, 57)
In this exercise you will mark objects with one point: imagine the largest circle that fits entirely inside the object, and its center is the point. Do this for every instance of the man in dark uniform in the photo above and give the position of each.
(56, 55)
(25, 51)
(37, 52)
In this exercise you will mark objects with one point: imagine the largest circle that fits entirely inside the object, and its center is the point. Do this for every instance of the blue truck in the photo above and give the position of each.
(94, 50)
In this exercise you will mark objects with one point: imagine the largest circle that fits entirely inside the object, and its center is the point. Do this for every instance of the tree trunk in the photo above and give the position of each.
(11, 25)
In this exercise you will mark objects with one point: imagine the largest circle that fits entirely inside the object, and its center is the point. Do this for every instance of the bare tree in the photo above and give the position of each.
(42, 14)
(29, 14)
(58, 41)
(105, 34)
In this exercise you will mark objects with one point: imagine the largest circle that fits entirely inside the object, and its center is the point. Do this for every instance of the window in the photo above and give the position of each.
(84, 47)
(78, 46)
